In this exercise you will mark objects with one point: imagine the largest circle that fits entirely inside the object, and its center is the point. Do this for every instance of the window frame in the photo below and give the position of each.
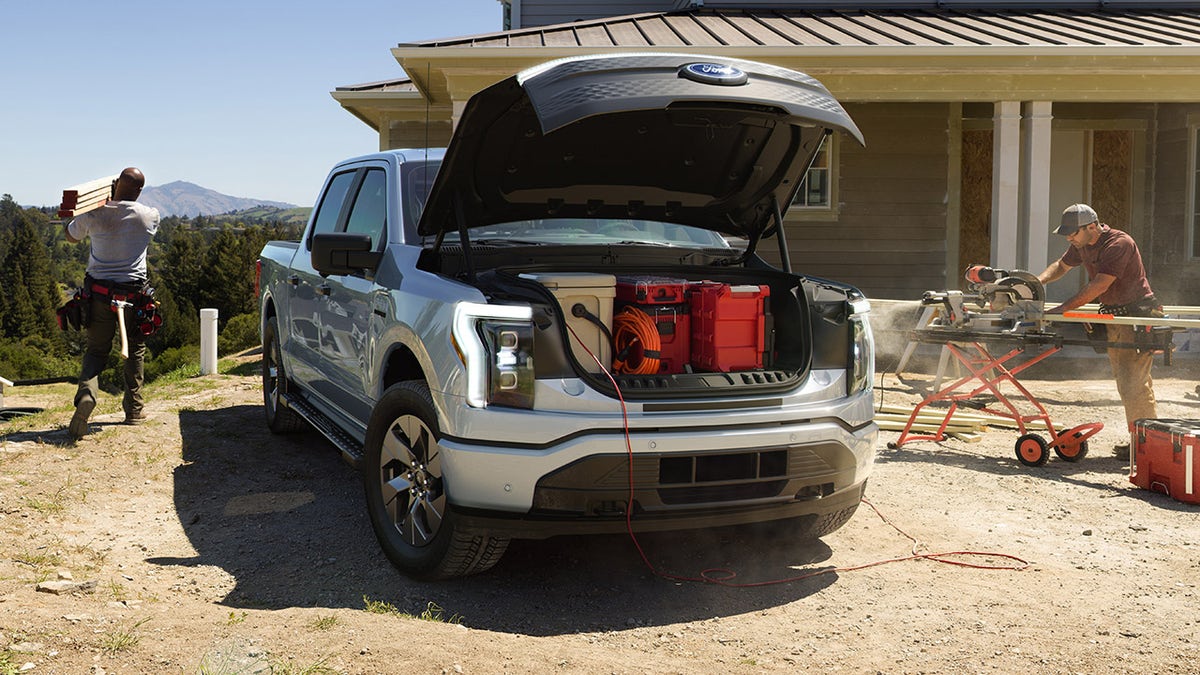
(798, 211)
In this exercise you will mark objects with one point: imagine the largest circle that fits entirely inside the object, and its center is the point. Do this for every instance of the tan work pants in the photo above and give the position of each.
(1131, 370)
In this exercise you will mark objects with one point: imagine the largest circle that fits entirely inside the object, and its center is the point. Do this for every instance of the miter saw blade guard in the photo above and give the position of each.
(1001, 289)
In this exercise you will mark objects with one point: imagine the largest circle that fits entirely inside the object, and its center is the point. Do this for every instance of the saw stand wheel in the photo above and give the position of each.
(1031, 450)
(1072, 445)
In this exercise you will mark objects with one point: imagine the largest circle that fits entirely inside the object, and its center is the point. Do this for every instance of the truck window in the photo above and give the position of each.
(331, 203)
(369, 213)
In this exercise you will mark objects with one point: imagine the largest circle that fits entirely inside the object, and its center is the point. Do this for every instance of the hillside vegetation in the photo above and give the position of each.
(194, 263)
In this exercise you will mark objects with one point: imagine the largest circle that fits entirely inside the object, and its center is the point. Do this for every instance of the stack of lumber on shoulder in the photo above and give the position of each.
(85, 197)
(965, 425)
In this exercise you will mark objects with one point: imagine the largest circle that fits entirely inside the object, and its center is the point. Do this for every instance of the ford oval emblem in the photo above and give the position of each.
(714, 73)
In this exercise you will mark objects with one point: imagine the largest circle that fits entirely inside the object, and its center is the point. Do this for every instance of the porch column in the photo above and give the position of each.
(1035, 169)
(456, 113)
(1006, 183)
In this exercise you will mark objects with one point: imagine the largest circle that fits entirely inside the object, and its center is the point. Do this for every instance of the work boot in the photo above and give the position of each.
(135, 418)
(1121, 451)
(79, 421)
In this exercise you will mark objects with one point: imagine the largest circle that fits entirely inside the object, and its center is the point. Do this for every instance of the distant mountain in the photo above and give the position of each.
(188, 199)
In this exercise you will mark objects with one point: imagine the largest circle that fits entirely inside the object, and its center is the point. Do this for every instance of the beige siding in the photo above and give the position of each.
(889, 236)
(1174, 277)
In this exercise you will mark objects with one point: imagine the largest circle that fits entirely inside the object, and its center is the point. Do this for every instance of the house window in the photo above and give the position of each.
(816, 190)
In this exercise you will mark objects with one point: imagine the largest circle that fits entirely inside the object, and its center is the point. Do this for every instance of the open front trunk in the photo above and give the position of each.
(666, 329)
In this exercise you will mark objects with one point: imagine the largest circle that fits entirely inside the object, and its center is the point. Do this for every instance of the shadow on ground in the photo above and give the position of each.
(285, 517)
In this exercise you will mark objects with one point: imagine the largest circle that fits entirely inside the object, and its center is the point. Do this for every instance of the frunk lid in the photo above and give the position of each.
(707, 141)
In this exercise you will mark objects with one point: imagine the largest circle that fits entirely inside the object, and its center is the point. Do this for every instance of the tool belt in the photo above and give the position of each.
(1147, 306)
(139, 295)
(1147, 338)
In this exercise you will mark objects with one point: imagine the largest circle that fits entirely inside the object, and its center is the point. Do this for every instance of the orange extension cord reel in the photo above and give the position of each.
(636, 344)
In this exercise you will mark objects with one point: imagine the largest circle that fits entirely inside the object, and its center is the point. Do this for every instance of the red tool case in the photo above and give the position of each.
(1165, 458)
(665, 301)
(728, 326)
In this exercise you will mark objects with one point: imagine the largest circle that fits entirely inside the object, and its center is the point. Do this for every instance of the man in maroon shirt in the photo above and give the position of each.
(1117, 280)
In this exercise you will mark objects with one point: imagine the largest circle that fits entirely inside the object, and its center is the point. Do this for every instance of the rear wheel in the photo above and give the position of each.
(1072, 453)
(406, 491)
(280, 419)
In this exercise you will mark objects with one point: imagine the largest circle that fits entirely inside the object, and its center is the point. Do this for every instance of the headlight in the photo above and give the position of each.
(861, 369)
(495, 343)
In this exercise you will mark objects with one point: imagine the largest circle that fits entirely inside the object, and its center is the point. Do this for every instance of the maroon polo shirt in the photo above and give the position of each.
(1116, 254)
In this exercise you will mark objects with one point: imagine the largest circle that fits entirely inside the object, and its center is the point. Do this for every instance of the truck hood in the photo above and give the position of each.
(711, 142)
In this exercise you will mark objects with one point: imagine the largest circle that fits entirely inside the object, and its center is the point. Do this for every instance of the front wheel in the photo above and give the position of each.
(1031, 450)
(406, 491)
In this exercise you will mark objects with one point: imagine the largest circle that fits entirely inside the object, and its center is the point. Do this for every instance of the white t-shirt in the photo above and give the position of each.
(120, 232)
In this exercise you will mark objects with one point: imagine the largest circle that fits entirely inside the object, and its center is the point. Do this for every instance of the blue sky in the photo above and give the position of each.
(232, 95)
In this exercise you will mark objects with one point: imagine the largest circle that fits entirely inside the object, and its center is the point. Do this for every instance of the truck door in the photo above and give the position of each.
(307, 294)
(346, 307)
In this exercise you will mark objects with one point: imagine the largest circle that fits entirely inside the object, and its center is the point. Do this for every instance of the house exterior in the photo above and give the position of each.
(982, 121)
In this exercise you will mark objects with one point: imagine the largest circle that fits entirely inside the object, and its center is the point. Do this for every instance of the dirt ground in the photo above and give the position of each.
(201, 543)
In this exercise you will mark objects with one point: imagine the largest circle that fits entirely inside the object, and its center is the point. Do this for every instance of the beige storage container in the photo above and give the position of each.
(596, 293)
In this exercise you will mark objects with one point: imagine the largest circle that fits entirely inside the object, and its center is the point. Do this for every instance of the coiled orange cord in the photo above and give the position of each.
(636, 344)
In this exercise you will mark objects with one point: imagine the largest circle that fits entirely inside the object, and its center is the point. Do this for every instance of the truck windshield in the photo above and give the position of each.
(591, 231)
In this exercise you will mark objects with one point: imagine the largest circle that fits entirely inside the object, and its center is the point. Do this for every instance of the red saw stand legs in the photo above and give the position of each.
(989, 371)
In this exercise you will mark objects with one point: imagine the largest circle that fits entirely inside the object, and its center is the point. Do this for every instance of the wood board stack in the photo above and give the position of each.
(965, 425)
(85, 197)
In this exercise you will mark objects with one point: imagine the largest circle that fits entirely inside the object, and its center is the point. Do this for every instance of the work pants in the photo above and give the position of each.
(1131, 370)
(100, 334)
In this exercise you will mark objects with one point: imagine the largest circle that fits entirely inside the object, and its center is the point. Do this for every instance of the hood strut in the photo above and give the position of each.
(464, 238)
(785, 261)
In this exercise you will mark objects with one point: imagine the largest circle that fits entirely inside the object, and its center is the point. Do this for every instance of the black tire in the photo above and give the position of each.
(1081, 451)
(280, 419)
(406, 491)
(1031, 450)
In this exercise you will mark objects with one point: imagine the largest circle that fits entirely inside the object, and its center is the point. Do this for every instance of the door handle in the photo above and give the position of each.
(324, 289)
(294, 279)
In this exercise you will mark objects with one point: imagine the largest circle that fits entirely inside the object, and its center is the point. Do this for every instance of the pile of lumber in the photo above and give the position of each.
(965, 425)
(85, 197)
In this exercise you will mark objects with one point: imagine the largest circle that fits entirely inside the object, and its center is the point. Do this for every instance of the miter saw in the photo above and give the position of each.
(995, 300)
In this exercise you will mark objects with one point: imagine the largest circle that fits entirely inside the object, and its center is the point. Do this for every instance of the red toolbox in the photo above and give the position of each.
(728, 326)
(651, 290)
(1165, 458)
(663, 300)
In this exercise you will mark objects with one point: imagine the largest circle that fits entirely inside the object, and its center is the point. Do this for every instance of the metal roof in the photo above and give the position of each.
(865, 27)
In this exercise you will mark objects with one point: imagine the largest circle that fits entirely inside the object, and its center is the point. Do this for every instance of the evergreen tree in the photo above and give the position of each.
(31, 296)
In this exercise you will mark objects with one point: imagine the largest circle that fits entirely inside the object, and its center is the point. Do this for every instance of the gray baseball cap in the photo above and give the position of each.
(1074, 217)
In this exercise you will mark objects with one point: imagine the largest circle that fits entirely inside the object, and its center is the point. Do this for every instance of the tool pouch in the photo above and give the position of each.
(71, 314)
(1097, 335)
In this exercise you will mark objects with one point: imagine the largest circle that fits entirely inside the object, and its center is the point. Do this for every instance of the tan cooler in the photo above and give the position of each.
(595, 292)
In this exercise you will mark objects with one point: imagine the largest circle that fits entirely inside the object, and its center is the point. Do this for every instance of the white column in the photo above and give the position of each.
(1006, 183)
(1035, 170)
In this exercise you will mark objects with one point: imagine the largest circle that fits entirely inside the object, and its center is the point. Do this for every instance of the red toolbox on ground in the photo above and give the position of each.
(728, 326)
(664, 300)
(1165, 458)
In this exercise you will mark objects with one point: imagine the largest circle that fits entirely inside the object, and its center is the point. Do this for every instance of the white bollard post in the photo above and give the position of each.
(208, 341)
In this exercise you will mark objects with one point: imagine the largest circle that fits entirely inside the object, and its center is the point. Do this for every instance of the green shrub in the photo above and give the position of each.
(172, 360)
(240, 333)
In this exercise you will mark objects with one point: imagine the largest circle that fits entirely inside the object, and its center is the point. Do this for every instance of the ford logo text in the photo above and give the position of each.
(713, 73)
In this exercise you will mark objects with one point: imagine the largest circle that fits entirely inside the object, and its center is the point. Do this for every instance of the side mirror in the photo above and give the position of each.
(343, 253)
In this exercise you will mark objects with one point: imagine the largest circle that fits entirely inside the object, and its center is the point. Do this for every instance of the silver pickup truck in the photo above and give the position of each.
(560, 324)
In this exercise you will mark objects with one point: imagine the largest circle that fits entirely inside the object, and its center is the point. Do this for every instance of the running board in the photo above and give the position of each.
(351, 449)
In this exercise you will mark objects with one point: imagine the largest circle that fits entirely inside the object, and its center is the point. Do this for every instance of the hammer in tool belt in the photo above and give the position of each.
(119, 307)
